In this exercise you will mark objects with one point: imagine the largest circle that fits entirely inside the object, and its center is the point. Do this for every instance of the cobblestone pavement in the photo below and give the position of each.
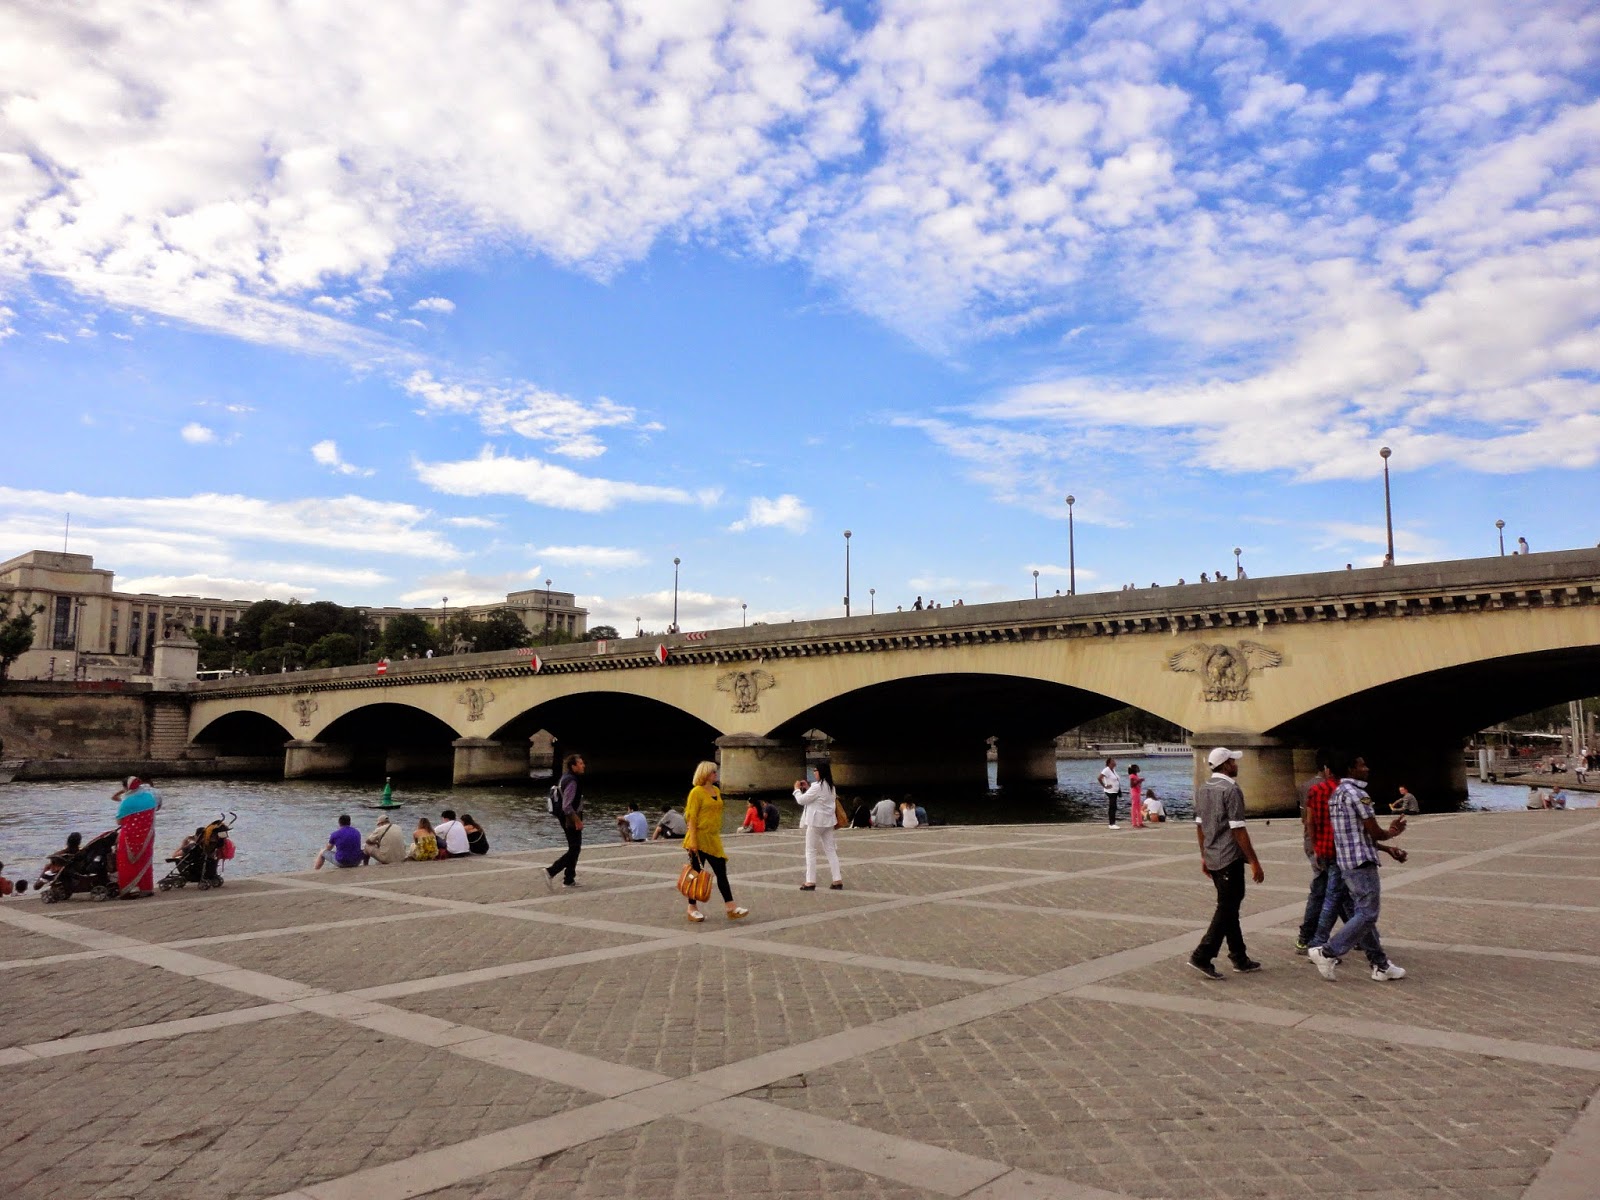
(998, 1012)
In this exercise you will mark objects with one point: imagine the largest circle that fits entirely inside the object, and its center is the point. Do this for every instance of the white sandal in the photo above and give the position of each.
(735, 913)
(696, 915)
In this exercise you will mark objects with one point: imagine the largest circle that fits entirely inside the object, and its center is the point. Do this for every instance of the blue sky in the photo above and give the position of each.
(387, 307)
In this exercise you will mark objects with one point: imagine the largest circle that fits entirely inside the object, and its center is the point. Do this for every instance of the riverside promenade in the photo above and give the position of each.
(988, 1012)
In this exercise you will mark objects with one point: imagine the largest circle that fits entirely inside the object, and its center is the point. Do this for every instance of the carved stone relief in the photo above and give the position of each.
(1225, 670)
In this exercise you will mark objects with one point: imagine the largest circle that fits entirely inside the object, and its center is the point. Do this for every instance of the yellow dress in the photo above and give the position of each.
(702, 812)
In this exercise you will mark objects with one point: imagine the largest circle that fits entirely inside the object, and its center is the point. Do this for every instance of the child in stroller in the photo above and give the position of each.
(200, 857)
(77, 867)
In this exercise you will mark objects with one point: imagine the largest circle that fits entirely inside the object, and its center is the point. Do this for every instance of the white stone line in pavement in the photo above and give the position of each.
(1079, 913)
(1573, 1167)
(83, 1043)
(50, 960)
(1550, 956)
(1591, 880)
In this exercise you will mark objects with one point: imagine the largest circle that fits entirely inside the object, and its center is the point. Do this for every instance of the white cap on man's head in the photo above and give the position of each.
(1222, 754)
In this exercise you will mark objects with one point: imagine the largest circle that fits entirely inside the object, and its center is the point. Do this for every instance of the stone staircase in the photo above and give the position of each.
(167, 729)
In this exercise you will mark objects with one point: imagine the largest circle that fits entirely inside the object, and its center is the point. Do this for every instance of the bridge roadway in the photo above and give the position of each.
(1404, 661)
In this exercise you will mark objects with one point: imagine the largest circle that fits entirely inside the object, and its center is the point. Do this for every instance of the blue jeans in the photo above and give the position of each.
(1314, 903)
(1361, 929)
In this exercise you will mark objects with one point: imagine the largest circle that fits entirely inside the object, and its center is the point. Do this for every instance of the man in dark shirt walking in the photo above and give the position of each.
(1224, 850)
(570, 815)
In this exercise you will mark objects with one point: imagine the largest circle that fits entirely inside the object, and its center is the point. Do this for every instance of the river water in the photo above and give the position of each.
(282, 824)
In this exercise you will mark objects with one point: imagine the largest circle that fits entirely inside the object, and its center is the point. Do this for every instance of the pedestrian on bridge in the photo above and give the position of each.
(570, 814)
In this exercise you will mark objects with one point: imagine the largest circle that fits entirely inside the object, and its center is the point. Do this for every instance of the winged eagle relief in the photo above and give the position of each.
(1225, 670)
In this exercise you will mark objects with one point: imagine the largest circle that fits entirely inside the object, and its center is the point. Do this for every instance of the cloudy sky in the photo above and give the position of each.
(388, 303)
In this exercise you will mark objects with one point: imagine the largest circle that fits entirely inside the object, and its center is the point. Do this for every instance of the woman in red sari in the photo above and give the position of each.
(136, 838)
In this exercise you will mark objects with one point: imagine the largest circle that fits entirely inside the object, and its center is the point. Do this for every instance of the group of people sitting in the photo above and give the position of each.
(887, 814)
(634, 827)
(452, 837)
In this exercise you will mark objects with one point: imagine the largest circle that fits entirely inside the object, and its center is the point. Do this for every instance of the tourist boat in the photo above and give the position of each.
(1166, 750)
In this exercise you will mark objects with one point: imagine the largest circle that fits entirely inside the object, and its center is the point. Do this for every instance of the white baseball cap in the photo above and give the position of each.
(1222, 754)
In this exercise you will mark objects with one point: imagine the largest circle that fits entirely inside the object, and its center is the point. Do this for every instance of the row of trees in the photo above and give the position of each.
(274, 634)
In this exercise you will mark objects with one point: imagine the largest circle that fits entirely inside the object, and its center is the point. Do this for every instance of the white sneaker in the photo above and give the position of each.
(1385, 974)
(1113, 826)
(549, 882)
(1325, 963)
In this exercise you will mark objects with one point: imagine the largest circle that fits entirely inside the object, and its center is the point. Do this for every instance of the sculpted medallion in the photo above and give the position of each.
(746, 687)
(476, 699)
(305, 706)
(1225, 670)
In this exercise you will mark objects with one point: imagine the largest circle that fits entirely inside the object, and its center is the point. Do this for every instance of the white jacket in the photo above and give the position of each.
(816, 805)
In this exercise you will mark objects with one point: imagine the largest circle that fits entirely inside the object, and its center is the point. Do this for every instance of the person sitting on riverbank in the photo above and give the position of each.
(477, 839)
(450, 835)
(5, 884)
(1154, 810)
(908, 813)
(884, 814)
(753, 820)
(861, 817)
(344, 844)
(424, 846)
(671, 825)
(1558, 797)
(385, 845)
(1536, 797)
(1405, 802)
(632, 825)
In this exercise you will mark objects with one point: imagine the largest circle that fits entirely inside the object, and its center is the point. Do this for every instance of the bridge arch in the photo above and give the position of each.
(243, 733)
(619, 733)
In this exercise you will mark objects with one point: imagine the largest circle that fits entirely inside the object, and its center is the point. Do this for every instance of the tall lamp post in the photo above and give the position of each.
(1388, 513)
(1072, 552)
(1500, 527)
(546, 612)
(675, 562)
(444, 620)
(847, 572)
(77, 638)
(872, 602)
(744, 614)
(1036, 583)
(1238, 568)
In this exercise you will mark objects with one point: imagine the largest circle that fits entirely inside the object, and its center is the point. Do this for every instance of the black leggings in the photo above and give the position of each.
(719, 868)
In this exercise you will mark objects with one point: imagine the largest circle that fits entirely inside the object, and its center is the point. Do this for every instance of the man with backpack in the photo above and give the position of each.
(566, 801)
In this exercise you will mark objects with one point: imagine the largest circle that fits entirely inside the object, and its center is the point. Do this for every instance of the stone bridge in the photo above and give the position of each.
(1403, 662)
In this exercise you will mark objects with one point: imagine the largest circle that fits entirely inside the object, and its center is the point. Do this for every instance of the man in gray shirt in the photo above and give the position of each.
(1224, 850)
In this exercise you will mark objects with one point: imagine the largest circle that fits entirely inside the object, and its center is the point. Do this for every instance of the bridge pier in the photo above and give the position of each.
(913, 765)
(751, 763)
(483, 760)
(1026, 760)
(1267, 771)
(317, 760)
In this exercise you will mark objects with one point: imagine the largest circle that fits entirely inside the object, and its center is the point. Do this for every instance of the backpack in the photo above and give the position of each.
(553, 805)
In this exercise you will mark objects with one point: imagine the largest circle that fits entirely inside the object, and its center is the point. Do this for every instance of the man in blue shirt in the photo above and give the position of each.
(1356, 834)
(632, 825)
(344, 843)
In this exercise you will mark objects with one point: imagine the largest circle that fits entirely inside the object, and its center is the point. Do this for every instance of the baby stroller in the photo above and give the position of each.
(200, 861)
(88, 869)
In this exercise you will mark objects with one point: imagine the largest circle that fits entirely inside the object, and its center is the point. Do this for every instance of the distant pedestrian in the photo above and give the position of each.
(1204, 578)
(1136, 797)
(1356, 835)
(818, 817)
(1111, 785)
(1224, 850)
(703, 814)
(570, 814)
(1317, 828)
(1522, 545)
(917, 607)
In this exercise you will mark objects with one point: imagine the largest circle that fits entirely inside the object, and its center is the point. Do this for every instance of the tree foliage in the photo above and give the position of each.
(16, 631)
(217, 653)
(603, 633)
(407, 634)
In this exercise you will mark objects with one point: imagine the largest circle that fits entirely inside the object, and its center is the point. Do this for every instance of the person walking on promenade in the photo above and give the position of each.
(137, 805)
(703, 813)
(1318, 830)
(1224, 850)
(818, 817)
(570, 814)
(1356, 835)
(1111, 785)
(1135, 797)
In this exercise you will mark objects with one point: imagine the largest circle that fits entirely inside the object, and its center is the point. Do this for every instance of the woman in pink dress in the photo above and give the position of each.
(136, 838)
(1136, 790)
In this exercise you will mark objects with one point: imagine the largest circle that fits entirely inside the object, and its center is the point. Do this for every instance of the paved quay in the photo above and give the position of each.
(989, 1012)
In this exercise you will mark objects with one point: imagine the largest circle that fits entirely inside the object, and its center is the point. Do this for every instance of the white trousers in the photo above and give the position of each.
(817, 835)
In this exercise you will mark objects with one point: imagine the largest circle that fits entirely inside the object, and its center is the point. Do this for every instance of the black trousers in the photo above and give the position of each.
(1111, 807)
(568, 862)
(1225, 921)
(719, 868)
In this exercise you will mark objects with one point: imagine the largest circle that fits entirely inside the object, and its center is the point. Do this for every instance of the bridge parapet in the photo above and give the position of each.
(1556, 579)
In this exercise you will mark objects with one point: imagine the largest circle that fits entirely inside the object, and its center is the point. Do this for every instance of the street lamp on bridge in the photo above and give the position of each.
(847, 572)
(444, 618)
(546, 612)
(1388, 513)
(675, 563)
(1500, 527)
(1238, 567)
(872, 602)
(744, 614)
(1036, 583)
(1072, 552)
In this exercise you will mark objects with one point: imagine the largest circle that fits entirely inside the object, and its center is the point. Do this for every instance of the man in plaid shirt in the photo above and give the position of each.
(1356, 835)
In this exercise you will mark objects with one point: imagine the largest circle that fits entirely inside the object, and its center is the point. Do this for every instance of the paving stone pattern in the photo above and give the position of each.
(992, 1012)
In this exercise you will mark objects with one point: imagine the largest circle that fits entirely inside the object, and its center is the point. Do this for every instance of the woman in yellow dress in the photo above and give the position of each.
(703, 814)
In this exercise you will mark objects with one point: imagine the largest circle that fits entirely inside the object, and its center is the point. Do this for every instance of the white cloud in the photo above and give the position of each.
(327, 454)
(437, 304)
(540, 483)
(786, 512)
(466, 588)
(197, 434)
(471, 522)
(696, 610)
(568, 425)
(594, 557)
